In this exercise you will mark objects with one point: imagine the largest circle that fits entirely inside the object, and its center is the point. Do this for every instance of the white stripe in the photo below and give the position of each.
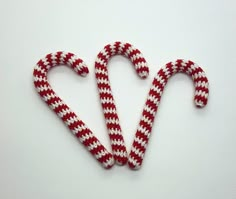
(56, 104)
(43, 88)
(40, 79)
(107, 101)
(146, 120)
(117, 142)
(100, 154)
(63, 112)
(53, 57)
(137, 152)
(62, 57)
(183, 63)
(167, 72)
(46, 63)
(112, 121)
(80, 66)
(141, 65)
(86, 137)
(115, 132)
(120, 153)
(94, 145)
(193, 66)
(100, 61)
(100, 71)
(174, 63)
(121, 47)
(103, 81)
(174, 68)
(40, 69)
(71, 120)
(202, 84)
(153, 99)
(112, 49)
(144, 131)
(201, 93)
(136, 56)
(72, 60)
(105, 91)
(198, 75)
(160, 80)
(105, 53)
(148, 109)
(133, 161)
(156, 89)
(141, 142)
(129, 50)
(79, 129)
(109, 110)
(48, 96)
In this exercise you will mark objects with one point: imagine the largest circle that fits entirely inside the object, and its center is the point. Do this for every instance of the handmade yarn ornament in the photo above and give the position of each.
(105, 92)
(142, 136)
(72, 121)
(151, 106)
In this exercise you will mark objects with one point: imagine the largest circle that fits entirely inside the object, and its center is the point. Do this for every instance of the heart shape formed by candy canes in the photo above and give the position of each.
(76, 125)
(106, 96)
(80, 130)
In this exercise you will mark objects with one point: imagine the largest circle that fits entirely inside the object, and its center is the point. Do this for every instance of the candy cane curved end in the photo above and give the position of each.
(105, 92)
(151, 106)
(127, 50)
(77, 126)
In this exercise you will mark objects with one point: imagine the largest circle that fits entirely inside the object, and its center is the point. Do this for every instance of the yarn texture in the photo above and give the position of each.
(78, 127)
(72, 121)
(151, 106)
(106, 96)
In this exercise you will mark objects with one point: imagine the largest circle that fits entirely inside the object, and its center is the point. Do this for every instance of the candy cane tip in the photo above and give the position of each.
(120, 155)
(200, 104)
(121, 163)
(136, 167)
(109, 164)
(84, 72)
(144, 74)
(133, 166)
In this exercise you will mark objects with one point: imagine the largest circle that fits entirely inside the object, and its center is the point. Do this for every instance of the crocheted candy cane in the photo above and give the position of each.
(145, 126)
(78, 128)
(105, 92)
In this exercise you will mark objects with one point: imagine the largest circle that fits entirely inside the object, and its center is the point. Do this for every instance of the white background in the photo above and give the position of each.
(191, 153)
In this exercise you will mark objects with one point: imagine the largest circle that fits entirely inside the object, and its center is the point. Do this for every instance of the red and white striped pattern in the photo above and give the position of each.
(77, 126)
(105, 92)
(149, 112)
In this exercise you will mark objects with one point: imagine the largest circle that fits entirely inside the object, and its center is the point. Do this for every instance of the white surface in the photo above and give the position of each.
(191, 154)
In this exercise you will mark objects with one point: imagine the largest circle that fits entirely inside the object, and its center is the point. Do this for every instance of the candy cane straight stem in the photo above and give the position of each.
(105, 92)
(77, 126)
(145, 126)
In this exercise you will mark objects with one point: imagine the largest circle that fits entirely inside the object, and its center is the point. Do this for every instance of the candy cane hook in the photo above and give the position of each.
(105, 92)
(145, 126)
(77, 126)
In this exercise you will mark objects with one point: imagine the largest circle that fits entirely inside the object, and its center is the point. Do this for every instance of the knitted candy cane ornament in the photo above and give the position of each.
(145, 126)
(78, 128)
(105, 92)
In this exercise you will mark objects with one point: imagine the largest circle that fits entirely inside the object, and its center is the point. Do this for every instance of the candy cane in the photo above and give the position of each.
(105, 92)
(145, 126)
(77, 126)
